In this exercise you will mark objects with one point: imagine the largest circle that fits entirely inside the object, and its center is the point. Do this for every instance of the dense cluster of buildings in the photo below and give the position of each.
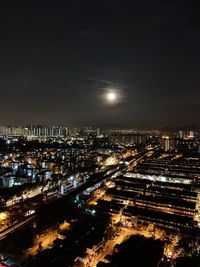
(41, 164)
(181, 139)
(159, 191)
(147, 179)
(82, 148)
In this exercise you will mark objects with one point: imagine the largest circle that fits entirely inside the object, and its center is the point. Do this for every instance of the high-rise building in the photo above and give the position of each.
(165, 143)
(98, 132)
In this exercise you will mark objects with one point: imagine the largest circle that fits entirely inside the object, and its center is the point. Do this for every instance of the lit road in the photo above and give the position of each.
(94, 256)
(44, 240)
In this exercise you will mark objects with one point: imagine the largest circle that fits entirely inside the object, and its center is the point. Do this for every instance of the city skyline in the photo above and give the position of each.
(95, 127)
(59, 61)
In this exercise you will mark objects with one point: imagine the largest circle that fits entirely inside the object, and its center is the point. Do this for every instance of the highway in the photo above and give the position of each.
(16, 227)
(31, 193)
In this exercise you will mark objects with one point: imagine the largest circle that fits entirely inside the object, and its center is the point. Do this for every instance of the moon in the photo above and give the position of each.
(111, 96)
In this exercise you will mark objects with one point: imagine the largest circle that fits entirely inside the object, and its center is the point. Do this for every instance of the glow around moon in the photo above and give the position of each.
(111, 96)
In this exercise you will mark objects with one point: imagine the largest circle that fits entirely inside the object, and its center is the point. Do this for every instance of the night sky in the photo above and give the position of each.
(58, 60)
